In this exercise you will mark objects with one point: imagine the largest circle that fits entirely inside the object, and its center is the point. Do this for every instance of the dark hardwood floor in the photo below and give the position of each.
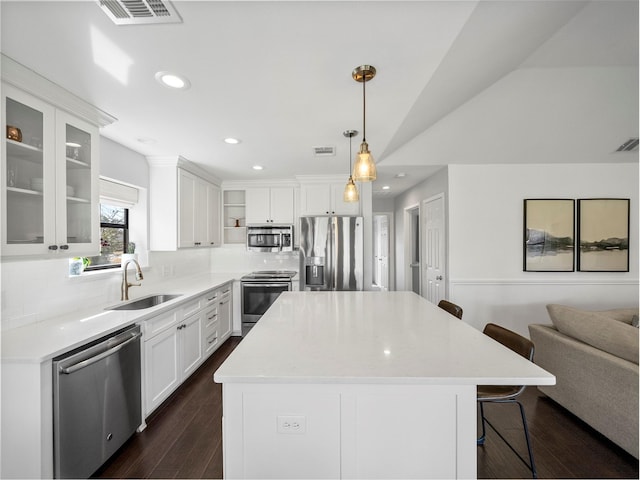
(183, 438)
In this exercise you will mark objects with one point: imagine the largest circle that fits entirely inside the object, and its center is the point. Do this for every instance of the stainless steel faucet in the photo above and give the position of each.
(124, 288)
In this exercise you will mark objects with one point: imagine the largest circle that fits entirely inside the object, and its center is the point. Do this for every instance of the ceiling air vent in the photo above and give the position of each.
(630, 145)
(138, 12)
(324, 151)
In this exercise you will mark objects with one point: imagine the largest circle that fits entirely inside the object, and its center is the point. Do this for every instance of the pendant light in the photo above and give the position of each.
(350, 190)
(364, 169)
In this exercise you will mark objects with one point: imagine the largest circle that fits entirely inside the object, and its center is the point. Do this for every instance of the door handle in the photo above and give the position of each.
(85, 363)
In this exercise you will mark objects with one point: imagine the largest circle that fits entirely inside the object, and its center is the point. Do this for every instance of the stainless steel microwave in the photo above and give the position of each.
(270, 238)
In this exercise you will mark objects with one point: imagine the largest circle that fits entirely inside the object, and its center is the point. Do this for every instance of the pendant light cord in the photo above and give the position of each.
(364, 110)
(350, 137)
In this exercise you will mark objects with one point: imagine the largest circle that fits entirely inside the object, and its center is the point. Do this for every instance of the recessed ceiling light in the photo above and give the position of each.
(401, 175)
(231, 141)
(257, 167)
(386, 187)
(172, 80)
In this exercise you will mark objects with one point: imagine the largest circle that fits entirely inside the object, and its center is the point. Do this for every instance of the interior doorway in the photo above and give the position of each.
(412, 248)
(382, 246)
(434, 248)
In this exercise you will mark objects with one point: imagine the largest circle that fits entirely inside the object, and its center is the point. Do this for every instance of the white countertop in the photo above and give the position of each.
(371, 337)
(44, 340)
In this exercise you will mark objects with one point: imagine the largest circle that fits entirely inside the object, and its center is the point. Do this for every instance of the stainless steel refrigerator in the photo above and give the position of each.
(331, 252)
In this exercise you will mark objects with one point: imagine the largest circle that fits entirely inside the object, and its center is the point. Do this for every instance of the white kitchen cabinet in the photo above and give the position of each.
(191, 352)
(198, 211)
(161, 359)
(270, 205)
(326, 199)
(49, 179)
(224, 311)
(184, 206)
(172, 352)
(216, 325)
(178, 341)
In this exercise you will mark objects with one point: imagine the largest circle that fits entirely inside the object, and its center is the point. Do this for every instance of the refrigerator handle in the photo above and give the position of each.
(334, 270)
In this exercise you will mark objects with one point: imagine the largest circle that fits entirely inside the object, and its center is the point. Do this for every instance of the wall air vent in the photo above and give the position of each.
(630, 145)
(324, 151)
(139, 12)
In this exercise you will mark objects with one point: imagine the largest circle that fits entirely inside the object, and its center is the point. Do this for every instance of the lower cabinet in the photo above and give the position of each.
(176, 342)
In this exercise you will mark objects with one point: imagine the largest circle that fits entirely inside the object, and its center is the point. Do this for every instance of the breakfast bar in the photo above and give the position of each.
(360, 385)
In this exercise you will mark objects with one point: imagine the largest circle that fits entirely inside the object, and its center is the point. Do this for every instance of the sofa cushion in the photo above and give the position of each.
(597, 329)
(621, 314)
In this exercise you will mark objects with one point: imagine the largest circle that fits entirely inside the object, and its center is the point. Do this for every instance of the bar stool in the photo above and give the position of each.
(506, 393)
(452, 308)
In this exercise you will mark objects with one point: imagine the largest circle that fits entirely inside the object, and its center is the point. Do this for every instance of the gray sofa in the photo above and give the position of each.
(594, 356)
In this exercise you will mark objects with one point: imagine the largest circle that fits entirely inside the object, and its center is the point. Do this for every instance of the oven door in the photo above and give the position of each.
(256, 298)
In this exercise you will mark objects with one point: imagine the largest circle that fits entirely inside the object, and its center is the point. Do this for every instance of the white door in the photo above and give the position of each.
(381, 252)
(433, 273)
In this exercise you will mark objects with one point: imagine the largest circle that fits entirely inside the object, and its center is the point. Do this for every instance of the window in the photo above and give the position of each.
(114, 237)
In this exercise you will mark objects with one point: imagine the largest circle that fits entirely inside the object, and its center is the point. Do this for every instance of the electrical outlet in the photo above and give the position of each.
(294, 424)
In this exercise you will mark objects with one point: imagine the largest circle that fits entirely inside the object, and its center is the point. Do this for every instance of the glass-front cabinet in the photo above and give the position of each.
(49, 179)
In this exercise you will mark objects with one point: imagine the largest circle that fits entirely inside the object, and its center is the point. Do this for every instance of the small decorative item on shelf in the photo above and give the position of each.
(78, 264)
(14, 133)
(237, 220)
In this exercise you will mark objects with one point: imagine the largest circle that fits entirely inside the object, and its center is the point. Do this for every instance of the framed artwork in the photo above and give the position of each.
(549, 235)
(603, 235)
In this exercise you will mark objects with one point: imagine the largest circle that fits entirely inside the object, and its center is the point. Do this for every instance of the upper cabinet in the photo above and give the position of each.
(270, 205)
(184, 206)
(50, 167)
(325, 199)
(198, 211)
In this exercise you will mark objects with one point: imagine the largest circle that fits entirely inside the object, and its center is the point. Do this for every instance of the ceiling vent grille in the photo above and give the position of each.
(138, 12)
(630, 145)
(324, 151)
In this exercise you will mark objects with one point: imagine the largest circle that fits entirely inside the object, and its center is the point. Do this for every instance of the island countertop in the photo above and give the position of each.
(371, 338)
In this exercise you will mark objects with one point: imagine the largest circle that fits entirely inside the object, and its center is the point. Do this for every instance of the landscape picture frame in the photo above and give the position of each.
(549, 235)
(603, 234)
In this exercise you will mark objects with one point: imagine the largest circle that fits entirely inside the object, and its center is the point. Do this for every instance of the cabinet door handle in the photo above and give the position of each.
(212, 316)
(64, 247)
(226, 291)
(53, 247)
(213, 340)
(222, 303)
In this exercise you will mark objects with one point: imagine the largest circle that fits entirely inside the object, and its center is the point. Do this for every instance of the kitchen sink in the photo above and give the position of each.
(144, 302)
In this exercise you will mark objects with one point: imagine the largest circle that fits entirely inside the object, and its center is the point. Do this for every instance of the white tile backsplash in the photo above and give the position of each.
(34, 290)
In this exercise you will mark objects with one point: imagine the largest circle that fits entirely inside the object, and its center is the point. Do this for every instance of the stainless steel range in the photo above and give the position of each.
(259, 291)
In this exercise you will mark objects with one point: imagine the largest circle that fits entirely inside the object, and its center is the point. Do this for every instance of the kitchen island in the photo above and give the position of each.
(360, 385)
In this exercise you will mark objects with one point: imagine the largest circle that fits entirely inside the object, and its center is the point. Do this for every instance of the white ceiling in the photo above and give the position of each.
(515, 81)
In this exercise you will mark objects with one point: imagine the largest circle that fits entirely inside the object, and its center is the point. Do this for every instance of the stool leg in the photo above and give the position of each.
(480, 440)
(532, 464)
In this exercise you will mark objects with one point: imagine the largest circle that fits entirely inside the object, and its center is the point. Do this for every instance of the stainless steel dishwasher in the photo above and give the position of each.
(96, 402)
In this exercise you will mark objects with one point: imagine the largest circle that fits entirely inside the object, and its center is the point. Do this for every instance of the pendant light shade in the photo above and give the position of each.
(350, 190)
(364, 169)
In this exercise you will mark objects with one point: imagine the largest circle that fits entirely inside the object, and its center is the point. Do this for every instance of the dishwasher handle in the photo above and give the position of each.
(90, 361)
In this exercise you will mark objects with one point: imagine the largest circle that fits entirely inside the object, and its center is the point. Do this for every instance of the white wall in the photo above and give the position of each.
(485, 241)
